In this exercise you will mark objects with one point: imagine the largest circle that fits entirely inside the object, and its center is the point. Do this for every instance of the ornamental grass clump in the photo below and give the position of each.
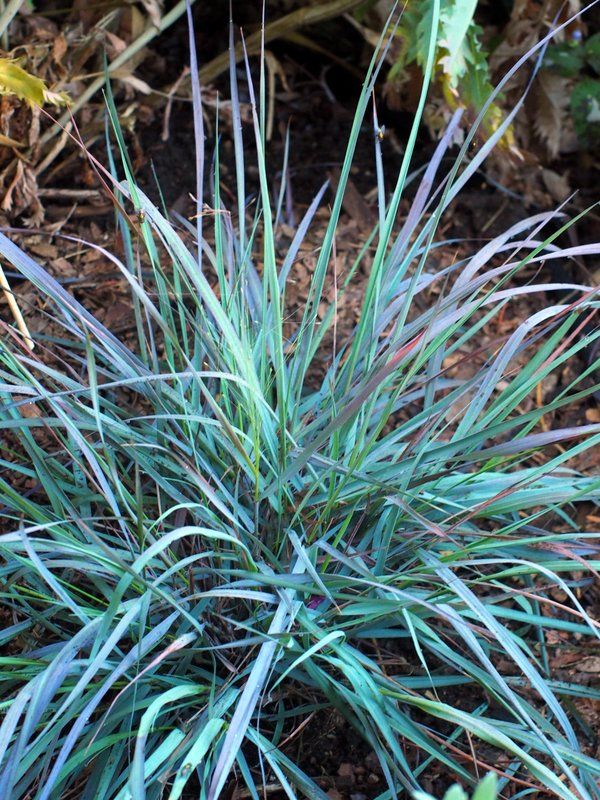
(202, 550)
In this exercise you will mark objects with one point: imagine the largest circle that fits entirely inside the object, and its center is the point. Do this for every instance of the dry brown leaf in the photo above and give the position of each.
(551, 101)
(59, 49)
(7, 200)
(29, 194)
(41, 28)
(589, 664)
(133, 81)
(557, 185)
(592, 415)
(44, 249)
(114, 45)
(522, 32)
(353, 202)
(34, 127)
(91, 256)
(29, 409)
(117, 313)
(21, 196)
(64, 266)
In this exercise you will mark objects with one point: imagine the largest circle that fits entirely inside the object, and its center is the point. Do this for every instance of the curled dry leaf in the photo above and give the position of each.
(21, 195)
(132, 81)
(114, 44)
(589, 664)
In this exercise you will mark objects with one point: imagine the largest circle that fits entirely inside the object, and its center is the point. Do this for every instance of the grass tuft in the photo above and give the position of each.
(202, 548)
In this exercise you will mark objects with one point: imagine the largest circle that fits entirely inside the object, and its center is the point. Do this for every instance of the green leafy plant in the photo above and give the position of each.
(487, 789)
(204, 544)
(580, 61)
(461, 70)
(14, 80)
(461, 64)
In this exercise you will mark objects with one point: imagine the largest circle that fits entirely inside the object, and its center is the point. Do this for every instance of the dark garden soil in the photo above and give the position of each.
(317, 101)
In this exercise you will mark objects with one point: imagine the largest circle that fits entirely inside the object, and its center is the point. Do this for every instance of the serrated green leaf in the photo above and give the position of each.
(456, 22)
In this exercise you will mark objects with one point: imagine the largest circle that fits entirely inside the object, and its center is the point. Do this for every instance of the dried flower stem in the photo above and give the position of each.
(16, 311)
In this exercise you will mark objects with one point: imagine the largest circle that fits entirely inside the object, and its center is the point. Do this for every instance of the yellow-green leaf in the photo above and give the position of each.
(14, 80)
